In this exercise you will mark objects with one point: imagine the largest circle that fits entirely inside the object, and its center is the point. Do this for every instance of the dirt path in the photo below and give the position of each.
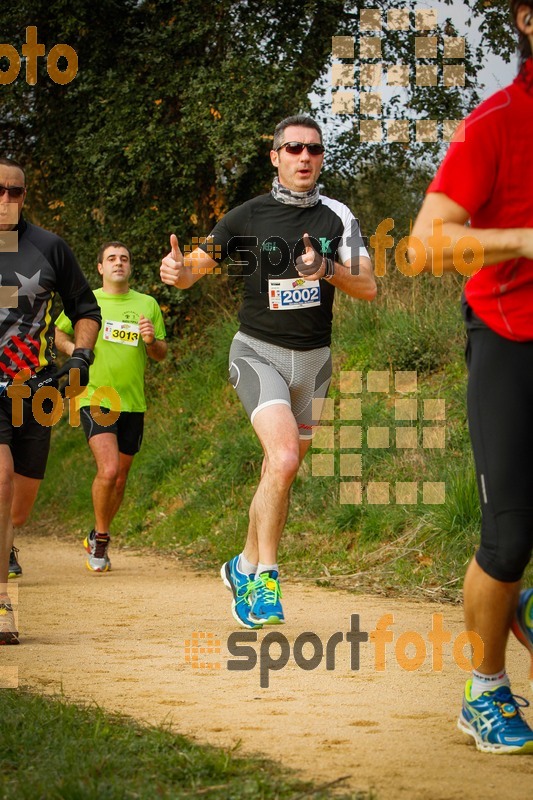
(120, 639)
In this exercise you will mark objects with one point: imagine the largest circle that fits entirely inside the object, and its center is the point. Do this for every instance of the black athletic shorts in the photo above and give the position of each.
(500, 418)
(29, 443)
(128, 429)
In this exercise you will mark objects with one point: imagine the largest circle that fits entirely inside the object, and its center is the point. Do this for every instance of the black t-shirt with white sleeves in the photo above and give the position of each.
(261, 240)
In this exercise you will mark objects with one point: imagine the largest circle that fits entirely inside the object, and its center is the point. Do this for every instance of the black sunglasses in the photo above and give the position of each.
(295, 148)
(13, 191)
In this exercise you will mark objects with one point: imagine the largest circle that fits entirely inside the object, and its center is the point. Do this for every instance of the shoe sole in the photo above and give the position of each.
(249, 626)
(524, 639)
(14, 574)
(98, 571)
(490, 747)
(225, 575)
(9, 637)
(272, 620)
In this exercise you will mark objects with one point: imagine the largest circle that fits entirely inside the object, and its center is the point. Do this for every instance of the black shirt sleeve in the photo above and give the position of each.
(78, 299)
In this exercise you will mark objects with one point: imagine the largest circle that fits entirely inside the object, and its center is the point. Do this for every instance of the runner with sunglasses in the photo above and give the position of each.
(34, 265)
(292, 247)
(486, 177)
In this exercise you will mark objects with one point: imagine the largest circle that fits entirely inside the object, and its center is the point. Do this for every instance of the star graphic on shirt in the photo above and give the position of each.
(8, 298)
(29, 287)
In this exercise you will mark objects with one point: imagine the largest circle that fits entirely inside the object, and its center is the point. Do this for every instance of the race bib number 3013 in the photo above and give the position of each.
(122, 332)
(293, 293)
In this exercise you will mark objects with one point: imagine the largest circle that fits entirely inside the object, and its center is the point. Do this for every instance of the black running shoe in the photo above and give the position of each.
(15, 570)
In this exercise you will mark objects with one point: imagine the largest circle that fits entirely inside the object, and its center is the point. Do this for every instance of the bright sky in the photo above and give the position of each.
(496, 73)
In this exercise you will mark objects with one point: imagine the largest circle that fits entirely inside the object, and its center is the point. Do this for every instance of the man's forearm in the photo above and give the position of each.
(64, 342)
(450, 246)
(441, 241)
(85, 333)
(157, 349)
(356, 280)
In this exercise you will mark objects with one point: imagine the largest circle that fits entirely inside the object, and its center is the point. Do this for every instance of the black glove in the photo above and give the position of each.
(46, 377)
(315, 265)
(81, 359)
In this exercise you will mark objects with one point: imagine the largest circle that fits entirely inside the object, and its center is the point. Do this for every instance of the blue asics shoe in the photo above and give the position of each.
(494, 721)
(522, 625)
(265, 599)
(240, 585)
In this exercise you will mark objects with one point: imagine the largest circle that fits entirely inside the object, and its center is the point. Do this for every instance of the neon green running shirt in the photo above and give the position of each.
(120, 353)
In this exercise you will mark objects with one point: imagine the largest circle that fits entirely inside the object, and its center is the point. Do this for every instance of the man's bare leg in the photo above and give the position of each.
(8, 632)
(7, 489)
(24, 496)
(104, 447)
(277, 431)
(124, 466)
(490, 606)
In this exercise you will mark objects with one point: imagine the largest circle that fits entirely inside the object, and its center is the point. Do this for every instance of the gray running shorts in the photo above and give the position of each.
(264, 374)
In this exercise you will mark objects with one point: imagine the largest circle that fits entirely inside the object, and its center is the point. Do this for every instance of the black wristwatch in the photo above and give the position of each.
(330, 269)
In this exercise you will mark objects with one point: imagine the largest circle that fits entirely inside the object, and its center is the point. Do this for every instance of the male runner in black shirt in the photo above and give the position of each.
(34, 264)
(294, 247)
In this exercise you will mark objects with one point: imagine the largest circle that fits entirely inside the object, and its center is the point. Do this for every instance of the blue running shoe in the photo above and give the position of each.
(240, 585)
(265, 600)
(495, 722)
(522, 625)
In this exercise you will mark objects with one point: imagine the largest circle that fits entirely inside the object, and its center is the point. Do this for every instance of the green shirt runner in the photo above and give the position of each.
(120, 353)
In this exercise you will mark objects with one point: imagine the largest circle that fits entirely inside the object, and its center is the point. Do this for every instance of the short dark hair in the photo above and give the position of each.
(105, 245)
(298, 119)
(10, 162)
(524, 46)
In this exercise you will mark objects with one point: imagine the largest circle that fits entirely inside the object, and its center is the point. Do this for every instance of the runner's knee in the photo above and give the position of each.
(19, 516)
(121, 480)
(108, 472)
(284, 464)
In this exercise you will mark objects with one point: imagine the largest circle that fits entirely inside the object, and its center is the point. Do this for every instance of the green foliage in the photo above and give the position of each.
(496, 25)
(460, 517)
(413, 342)
(168, 122)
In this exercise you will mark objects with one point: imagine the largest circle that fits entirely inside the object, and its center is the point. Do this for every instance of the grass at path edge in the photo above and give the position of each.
(56, 750)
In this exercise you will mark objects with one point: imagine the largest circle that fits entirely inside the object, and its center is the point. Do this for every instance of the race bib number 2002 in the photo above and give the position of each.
(122, 332)
(293, 293)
